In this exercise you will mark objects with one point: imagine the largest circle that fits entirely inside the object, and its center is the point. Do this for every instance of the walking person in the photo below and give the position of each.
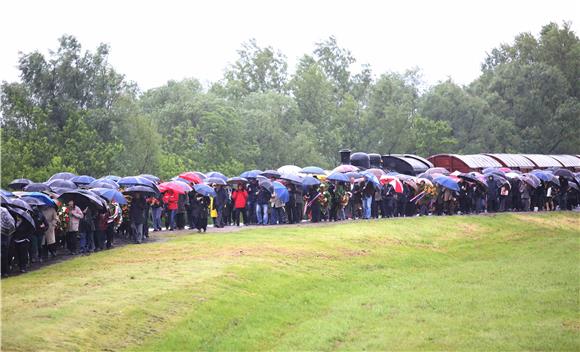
(262, 205)
(75, 215)
(220, 202)
(49, 244)
(137, 217)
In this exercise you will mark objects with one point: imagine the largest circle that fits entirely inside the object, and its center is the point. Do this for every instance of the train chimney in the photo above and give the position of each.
(345, 156)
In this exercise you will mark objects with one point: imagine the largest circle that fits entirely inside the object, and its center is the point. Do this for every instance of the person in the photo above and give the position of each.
(492, 194)
(291, 204)
(278, 215)
(563, 194)
(324, 200)
(8, 225)
(240, 198)
(114, 220)
(204, 206)
(101, 229)
(182, 204)
(75, 215)
(262, 201)
(402, 200)
(170, 198)
(49, 244)
(367, 198)
(336, 202)
(37, 237)
(376, 208)
(156, 209)
(389, 200)
(220, 203)
(86, 231)
(137, 216)
(525, 196)
(314, 203)
(503, 196)
(252, 197)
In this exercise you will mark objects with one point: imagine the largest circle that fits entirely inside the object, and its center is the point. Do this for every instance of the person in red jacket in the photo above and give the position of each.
(240, 197)
(170, 198)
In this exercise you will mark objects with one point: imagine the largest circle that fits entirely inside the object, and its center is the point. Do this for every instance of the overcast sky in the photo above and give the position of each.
(155, 41)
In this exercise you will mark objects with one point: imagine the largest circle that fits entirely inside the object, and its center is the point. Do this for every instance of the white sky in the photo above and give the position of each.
(155, 41)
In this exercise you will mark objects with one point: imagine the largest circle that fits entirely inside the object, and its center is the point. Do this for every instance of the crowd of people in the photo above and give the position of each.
(64, 227)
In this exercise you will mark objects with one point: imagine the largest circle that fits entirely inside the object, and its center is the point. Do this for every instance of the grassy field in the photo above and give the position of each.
(506, 282)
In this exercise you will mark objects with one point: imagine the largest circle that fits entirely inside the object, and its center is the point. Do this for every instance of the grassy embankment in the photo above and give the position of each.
(506, 282)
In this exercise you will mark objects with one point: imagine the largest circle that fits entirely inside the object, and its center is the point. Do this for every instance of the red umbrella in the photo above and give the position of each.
(393, 181)
(171, 186)
(191, 177)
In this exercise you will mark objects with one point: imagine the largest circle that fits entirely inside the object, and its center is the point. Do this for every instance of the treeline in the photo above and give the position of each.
(71, 111)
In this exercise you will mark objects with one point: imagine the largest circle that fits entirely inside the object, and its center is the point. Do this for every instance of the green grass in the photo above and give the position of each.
(506, 282)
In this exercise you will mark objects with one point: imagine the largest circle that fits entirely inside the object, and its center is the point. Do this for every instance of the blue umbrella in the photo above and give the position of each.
(371, 178)
(110, 194)
(314, 170)
(204, 190)
(281, 191)
(37, 187)
(151, 177)
(111, 177)
(82, 180)
(543, 175)
(59, 183)
(46, 200)
(62, 176)
(337, 176)
(104, 183)
(217, 174)
(310, 181)
(250, 174)
(447, 182)
(137, 181)
(6, 193)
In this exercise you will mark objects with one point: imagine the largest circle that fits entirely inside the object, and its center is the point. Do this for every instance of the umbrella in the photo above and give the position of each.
(104, 183)
(204, 190)
(310, 181)
(191, 177)
(110, 195)
(141, 189)
(33, 201)
(289, 169)
(501, 180)
(111, 177)
(574, 186)
(82, 180)
(377, 172)
(473, 177)
(424, 180)
(447, 182)
(393, 181)
(370, 177)
(250, 174)
(565, 173)
(43, 198)
(150, 177)
(513, 175)
(82, 198)
(19, 183)
(215, 180)
(437, 170)
(337, 176)
(37, 187)
(281, 191)
(215, 174)
(271, 173)
(531, 180)
(296, 179)
(313, 170)
(353, 174)
(62, 176)
(236, 180)
(59, 183)
(496, 172)
(171, 186)
(200, 174)
(545, 176)
(345, 168)
(267, 184)
(185, 185)
(18, 207)
(6, 193)
(411, 183)
(137, 181)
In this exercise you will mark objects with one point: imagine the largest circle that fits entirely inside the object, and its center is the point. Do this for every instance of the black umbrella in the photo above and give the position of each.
(62, 184)
(62, 176)
(19, 183)
(267, 185)
(82, 199)
(15, 203)
(271, 173)
(214, 180)
(18, 207)
(565, 173)
(37, 187)
(33, 201)
(141, 189)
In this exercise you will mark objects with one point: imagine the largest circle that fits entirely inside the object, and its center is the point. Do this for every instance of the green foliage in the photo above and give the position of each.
(72, 111)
